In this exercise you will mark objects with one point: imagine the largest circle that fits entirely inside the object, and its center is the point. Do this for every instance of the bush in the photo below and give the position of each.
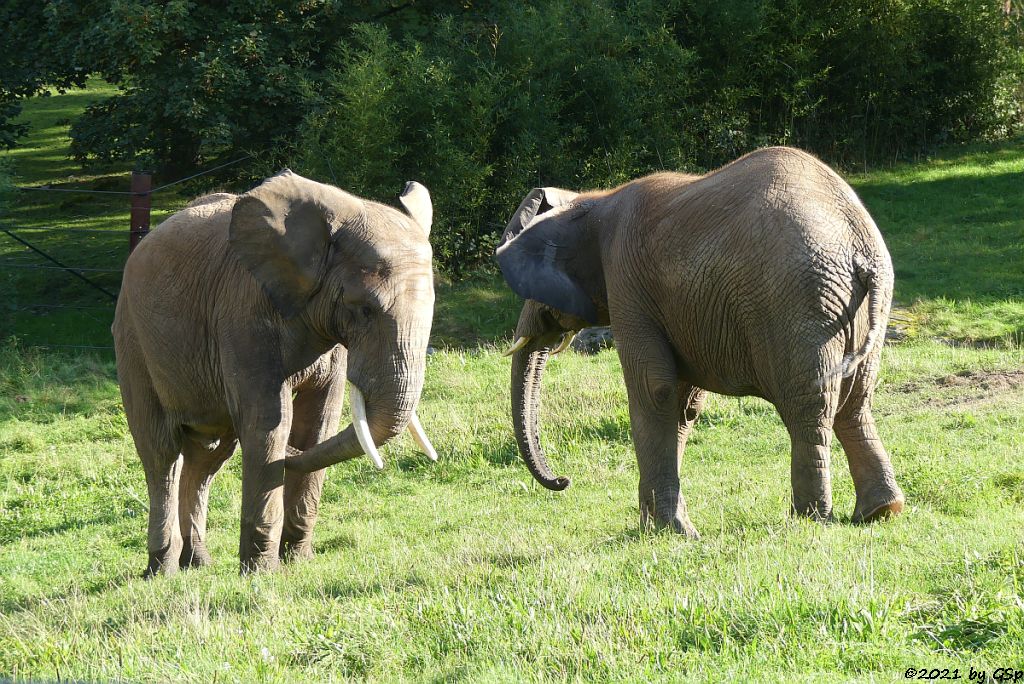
(482, 100)
(567, 94)
(199, 80)
(595, 92)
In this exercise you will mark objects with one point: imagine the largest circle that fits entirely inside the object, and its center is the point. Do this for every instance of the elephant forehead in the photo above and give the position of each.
(404, 258)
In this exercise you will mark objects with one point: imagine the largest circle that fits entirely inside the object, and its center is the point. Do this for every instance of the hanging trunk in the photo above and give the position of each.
(527, 371)
(376, 418)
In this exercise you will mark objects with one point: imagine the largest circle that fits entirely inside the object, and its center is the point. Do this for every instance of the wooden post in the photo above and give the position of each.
(142, 183)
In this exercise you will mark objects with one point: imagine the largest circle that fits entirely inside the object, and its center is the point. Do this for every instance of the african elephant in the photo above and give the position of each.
(239, 320)
(766, 277)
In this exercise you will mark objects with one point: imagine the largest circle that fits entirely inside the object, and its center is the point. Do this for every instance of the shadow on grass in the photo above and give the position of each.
(90, 587)
(474, 312)
(59, 528)
(348, 589)
(960, 237)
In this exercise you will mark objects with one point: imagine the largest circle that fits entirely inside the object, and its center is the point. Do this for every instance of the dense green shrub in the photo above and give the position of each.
(593, 92)
(202, 80)
(29, 64)
(481, 114)
(198, 80)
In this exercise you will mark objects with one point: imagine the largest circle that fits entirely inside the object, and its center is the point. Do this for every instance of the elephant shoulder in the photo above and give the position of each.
(212, 198)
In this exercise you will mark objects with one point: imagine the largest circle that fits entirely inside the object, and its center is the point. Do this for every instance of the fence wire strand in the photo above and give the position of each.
(79, 272)
(86, 191)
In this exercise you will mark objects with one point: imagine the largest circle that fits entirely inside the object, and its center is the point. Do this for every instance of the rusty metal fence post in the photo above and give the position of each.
(142, 200)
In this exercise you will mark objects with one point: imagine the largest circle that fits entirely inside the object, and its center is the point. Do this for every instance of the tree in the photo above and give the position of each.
(27, 64)
(201, 79)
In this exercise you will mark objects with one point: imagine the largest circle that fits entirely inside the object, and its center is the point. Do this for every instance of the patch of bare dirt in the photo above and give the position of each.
(995, 381)
(965, 388)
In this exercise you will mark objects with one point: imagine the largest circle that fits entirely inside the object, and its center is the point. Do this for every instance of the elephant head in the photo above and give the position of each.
(549, 256)
(350, 272)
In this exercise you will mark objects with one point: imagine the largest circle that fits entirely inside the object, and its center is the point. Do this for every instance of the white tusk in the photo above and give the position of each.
(358, 406)
(416, 428)
(567, 339)
(520, 343)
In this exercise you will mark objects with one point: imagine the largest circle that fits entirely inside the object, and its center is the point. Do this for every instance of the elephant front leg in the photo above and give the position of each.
(690, 405)
(263, 456)
(316, 414)
(659, 435)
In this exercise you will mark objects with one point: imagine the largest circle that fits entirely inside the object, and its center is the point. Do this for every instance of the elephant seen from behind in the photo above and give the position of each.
(766, 277)
(239, 320)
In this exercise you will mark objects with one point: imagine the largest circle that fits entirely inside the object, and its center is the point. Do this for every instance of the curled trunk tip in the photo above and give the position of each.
(558, 484)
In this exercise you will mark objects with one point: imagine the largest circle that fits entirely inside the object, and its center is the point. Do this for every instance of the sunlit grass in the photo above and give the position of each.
(468, 570)
(955, 227)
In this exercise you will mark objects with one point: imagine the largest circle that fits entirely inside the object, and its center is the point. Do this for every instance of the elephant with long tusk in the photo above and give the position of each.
(240, 320)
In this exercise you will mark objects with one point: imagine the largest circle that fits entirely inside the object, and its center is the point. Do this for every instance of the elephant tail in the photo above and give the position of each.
(877, 279)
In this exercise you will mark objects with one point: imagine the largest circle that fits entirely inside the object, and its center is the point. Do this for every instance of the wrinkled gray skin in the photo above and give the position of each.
(239, 320)
(766, 277)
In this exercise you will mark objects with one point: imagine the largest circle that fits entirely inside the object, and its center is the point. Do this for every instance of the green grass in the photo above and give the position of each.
(33, 301)
(467, 570)
(955, 228)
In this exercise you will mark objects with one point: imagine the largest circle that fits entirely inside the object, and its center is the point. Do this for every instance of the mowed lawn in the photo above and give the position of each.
(467, 570)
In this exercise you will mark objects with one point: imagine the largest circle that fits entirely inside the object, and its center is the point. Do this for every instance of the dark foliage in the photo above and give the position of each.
(28, 63)
(483, 99)
(592, 93)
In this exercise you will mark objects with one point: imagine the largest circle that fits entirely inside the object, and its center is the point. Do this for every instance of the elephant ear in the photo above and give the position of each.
(416, 200)
(538, 201)
(281, 232)
(538, 256)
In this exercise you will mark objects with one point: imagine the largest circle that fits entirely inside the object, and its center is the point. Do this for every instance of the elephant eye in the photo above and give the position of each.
(367, 312)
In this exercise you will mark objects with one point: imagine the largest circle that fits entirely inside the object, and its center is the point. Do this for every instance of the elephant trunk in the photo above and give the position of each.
(527, 371)
(376, 418)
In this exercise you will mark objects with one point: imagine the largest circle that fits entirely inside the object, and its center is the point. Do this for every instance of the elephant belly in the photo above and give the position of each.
(723, 377)
(207, 435)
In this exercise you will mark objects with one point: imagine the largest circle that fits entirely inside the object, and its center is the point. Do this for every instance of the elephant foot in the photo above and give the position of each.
(296, 551)
(678, 522)
(194, 555)
(663, 508)
(163, 562)
(819, 510)
(888, 505)
(248, 566)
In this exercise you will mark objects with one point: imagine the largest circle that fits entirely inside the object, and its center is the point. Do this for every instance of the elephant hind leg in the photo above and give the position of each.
(808, 419)
(878, 495)
(164, 538)
(198, 469)
(158, 449)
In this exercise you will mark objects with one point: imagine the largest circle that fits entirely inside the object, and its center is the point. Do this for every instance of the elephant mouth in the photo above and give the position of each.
(357, 404)
(355, 440)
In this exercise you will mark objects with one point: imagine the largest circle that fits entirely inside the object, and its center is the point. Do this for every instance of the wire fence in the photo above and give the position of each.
(60, 283)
